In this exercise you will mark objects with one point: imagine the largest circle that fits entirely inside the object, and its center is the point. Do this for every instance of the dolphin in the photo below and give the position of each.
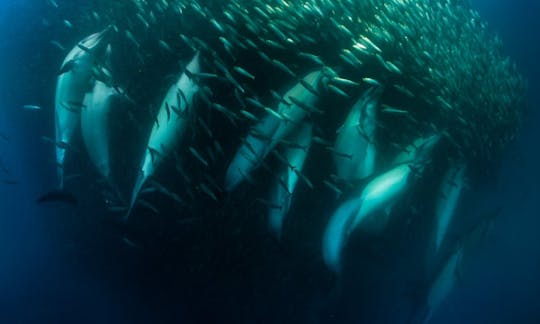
(252, 152)
(410, 153)
(298, 102)
(380, 193)
(74, 81)
(335, 234)
(354, 148)
(94, 126)
(284, 187)
(443, 284)
(171, 123)
(447, 200)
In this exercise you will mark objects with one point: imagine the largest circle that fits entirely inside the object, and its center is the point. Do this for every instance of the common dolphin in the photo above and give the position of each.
(380, 193)
(252, 152)
(297, 103)
(355, 143)
(171, 123)
(95, 126)
(284, 187)
(72, 84)
(447, 200)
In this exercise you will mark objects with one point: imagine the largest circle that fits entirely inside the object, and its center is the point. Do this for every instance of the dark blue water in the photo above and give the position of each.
(59, 264)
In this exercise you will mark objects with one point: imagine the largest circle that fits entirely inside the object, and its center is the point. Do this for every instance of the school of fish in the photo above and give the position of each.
(383, 88)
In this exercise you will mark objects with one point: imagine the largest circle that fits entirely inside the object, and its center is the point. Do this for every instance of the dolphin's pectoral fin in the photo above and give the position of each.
(67, 67)
(84, 48)
(71, 106)
(154, 154)
(362, 133)
(182, 98)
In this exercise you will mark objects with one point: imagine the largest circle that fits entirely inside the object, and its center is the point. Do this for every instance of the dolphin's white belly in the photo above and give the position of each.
(354, 146)
(70, 91)
(170, 125)
(273, 130)
(447, 201)
(350, 143)
(252, 151)
(294, 114)
(169, 128)
(383, 191)
(336, 233)
(283, 190)
(94, 126)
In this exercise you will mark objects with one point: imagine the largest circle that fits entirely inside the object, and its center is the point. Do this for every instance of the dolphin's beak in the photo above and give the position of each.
(108, 29)
(105, 32)
(374, 92)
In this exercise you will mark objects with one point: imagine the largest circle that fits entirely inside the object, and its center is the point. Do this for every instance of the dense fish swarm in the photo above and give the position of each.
(441, 67)
(407, 97)
(448, 70)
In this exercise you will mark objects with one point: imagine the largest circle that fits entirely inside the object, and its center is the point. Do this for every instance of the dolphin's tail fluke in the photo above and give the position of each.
(141, 179)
